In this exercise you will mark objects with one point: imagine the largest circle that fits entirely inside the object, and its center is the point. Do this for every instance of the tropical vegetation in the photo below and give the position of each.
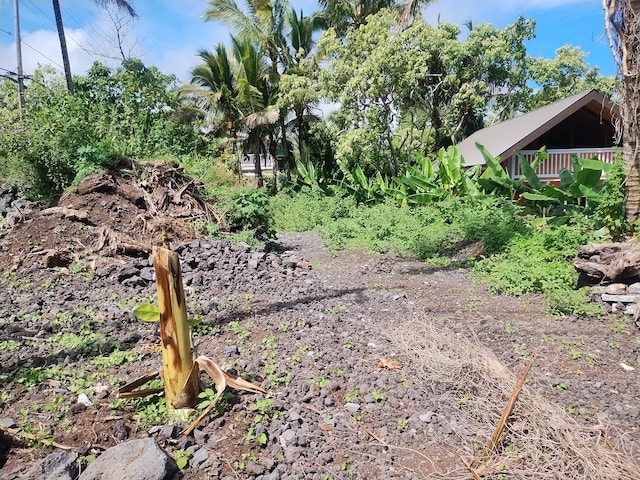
(360, 105)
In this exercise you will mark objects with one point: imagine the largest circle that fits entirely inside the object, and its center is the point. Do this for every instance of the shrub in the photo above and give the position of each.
(248, 209)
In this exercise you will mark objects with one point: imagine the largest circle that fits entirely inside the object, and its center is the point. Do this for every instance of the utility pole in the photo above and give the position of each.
(16, 18)
(63, 46)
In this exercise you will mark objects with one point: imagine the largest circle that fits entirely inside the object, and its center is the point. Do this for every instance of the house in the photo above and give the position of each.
(581, 125)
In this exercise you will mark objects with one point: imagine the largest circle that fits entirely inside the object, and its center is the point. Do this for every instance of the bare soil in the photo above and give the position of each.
(321, 336)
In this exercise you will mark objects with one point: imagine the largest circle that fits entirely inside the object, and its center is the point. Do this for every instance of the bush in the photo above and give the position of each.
(248, 209)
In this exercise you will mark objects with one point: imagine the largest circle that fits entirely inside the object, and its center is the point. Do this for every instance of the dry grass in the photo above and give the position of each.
(540, 440)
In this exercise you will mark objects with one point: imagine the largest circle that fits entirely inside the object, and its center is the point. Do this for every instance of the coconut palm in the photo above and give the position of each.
(122, 4)
(213, 91)
(299, 96)
(231, 87)
(262, 22)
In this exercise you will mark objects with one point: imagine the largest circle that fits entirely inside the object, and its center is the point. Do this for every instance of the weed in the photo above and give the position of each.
(509, 329)
(349, 345)
(547, 338)
(9, 346)
(520, 348)
(401, 424)
(378, 397)
(575, 411)
(320, 381)
(352, 395)
(182, 458)
(337, 310)
(261, 439)
(241, 332)
(560, 385)
(116, 358)
(619, 327)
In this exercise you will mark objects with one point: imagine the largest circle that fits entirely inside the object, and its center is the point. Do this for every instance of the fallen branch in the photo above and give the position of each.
(497, 434)
(366, 430)
(35, 438)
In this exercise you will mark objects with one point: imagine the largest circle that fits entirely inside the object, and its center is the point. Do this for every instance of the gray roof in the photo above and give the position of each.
(505, 138)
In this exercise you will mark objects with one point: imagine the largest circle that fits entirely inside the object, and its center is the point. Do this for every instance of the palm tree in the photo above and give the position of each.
(300, 98)
(122, 4)
(263, 22)
(622, 21)
(213, 91)
(232, 87)
(344, 15)
(256, 95)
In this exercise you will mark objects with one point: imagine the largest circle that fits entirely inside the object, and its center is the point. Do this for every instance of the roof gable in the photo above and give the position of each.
(505, 138)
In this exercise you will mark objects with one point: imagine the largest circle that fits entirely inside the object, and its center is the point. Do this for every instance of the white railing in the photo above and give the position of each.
(248, 166)
(557, 160)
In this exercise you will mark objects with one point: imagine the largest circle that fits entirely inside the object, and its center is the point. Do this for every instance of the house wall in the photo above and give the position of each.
(583, 129)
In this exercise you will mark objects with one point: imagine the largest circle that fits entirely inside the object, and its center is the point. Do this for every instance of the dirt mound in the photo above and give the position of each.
(108, 213)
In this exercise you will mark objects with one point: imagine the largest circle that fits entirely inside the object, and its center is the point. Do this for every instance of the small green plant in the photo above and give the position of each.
(547, 338)
(575, 411)
(349, 345)
(513, 449)
(462, 400)
(239, 330)
(619, 327)
(520, 348)
(378, 397)
(353, 395)
(322, 382)
(401, 424)
(509, 329)
(9, 346)
(405, 383)
(182, 458)
(261, 439)
(560, 385)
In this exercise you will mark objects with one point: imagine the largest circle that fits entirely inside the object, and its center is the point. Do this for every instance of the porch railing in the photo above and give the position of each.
(557, 160)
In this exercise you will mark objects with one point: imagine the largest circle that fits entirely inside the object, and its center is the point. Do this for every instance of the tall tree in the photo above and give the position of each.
(345, 15)
(232, 86)
(299, 92)
(213, 91)
(263, 22)
(622, 21)
(122, 4)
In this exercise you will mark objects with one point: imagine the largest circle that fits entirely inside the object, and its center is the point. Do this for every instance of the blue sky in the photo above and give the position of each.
(169, 33)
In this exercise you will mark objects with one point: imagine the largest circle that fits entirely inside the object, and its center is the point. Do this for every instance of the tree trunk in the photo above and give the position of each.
(254, 147)
(285, 149)
(622, 23)
(63, 46)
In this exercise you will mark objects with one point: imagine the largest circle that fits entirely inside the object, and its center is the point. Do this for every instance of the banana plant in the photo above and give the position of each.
(581, 183)
(180, 366)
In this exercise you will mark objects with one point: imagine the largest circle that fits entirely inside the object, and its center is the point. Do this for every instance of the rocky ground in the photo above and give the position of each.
(375, 366)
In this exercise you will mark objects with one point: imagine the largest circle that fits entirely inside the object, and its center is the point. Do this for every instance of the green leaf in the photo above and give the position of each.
(537, 197)
(528, 172)
(147, 312)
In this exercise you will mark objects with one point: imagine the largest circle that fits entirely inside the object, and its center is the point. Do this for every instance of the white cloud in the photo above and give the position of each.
(180, 62)
(43, 47)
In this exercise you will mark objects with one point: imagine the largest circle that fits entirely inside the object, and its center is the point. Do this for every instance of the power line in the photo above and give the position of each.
(40, 53)
(47, 21)
(6, 31)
